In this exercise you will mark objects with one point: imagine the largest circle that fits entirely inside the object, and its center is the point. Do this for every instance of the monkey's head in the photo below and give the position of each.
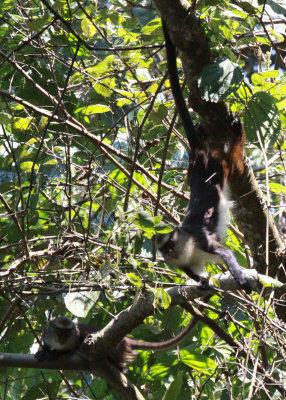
(61, 334)
(177, 247)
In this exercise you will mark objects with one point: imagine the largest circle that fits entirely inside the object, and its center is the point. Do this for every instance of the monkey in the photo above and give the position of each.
(62, 337)
(198, 239)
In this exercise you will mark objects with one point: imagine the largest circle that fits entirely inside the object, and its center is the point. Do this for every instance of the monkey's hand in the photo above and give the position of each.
(46, 354)
(204, 283)
(43, 355)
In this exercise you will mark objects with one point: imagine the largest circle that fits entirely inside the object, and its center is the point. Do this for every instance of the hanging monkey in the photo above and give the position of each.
(198, 239)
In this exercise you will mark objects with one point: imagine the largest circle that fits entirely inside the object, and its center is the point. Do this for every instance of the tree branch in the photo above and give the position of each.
(102, 368)
(145, 306)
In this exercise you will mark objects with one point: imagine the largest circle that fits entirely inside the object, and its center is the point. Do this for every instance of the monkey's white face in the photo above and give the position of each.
(179, 249)
(61, 335)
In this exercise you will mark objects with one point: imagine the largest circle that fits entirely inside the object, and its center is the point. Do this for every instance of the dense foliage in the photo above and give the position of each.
(90, 162)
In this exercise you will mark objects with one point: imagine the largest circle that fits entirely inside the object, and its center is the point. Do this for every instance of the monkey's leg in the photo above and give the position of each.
(234, 268)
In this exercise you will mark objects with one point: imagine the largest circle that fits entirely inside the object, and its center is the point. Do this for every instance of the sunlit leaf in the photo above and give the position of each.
(267, 281)
(277, 188)
(79, 303)
(22, 123)
(135, 279)
(95, 109)
(164, 298)
(151, 26)
(102, 89)
(88, 29)
(198, 361)
(51, 162)
(160, 369)
(161, 227)
(27, 166)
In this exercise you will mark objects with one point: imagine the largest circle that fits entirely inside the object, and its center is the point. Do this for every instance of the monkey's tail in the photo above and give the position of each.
(181, 106)
(136, 344)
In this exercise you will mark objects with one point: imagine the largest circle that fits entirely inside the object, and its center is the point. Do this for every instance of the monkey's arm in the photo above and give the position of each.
(231, 262)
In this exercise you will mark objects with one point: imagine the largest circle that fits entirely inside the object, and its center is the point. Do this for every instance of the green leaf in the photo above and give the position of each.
(79, 303)
(102, 67)
(144, 221)
(95, 109)
(174, 390)
(43, 122)
(38, 23)
(97, 388)
(223, 348)
(227, 32)
(102, 89)
(261, 117)
(88, 29)
(22, 123)
(206, 336)
(160, 369)
(270, 74)
(5, 118)
(157, 219)
(51, 162)
(58, 4)
(263, 40)
(27, 166)
(122, 102)
(39, 390)
(135, 279)
(263, 77)
(31, 142)
(219, 80)
(150, 224)
(198, 361)
(151, 26)
(138, 242)
(247, 7)
(267, 281)
(163, 228)
(277, 188)
(163, 298)
(159, 114)
(133, 262)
